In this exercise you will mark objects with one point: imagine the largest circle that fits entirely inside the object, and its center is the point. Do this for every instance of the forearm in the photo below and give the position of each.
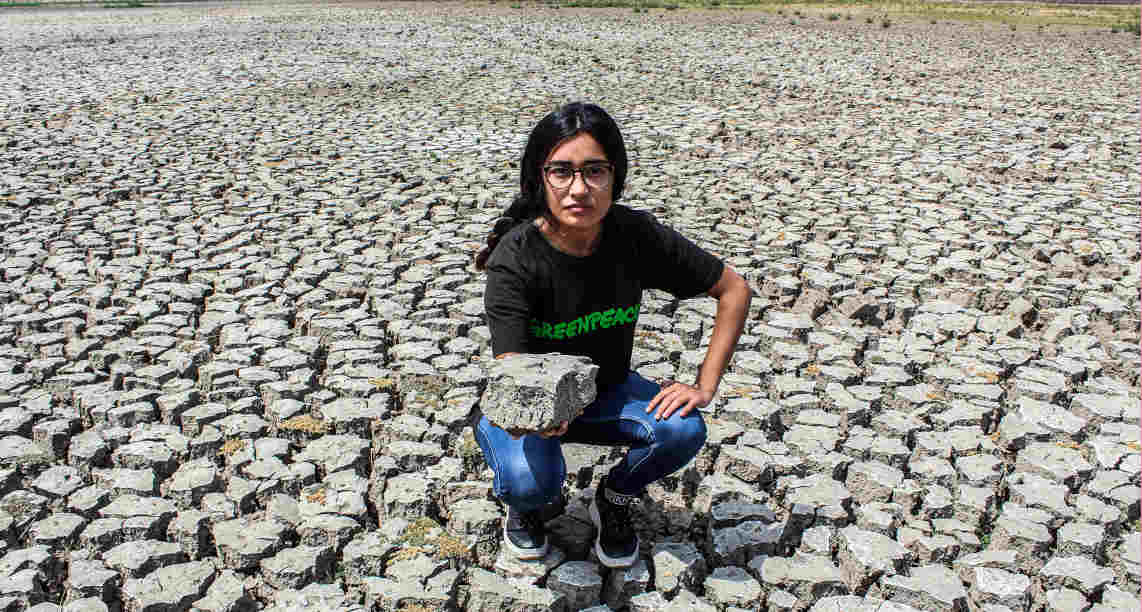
(729, 322)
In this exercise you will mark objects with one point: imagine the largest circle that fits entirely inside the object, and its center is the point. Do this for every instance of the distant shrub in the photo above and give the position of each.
(834, 16)
(868, 19)
(1013, 27)
(884, 23)
(933, 22)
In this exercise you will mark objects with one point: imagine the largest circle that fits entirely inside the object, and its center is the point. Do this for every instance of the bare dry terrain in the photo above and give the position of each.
(241, 338)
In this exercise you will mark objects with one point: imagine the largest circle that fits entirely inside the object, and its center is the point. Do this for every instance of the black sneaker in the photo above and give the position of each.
(525, 535)
(616, 543)
(553, 510)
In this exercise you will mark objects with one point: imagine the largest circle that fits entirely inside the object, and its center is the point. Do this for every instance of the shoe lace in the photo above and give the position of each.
(531, 521)
(618, 520)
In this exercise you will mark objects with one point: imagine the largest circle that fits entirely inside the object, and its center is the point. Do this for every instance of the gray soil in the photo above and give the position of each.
(241, 338)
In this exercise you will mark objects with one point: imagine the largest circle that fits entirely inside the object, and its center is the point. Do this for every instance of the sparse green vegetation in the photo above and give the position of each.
(417, 533)
(124, 4)
(19, 4)
(426, 536)
(834, 16)
(1123, 18)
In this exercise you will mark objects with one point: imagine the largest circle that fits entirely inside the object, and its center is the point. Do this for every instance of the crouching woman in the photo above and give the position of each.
(566, 266)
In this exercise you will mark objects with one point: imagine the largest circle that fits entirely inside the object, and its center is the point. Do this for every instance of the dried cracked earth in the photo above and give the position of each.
(240, 336)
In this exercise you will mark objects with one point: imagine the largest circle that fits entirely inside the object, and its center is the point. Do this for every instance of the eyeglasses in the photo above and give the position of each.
(595, 176)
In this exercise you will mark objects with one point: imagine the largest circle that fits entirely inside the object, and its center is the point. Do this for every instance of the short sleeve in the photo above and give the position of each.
(673, 263)
(506, 306)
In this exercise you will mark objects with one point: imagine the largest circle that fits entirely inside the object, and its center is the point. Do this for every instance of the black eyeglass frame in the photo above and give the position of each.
(610, 166)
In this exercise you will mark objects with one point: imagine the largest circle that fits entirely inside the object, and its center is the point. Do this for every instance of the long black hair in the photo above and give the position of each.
(531, 202)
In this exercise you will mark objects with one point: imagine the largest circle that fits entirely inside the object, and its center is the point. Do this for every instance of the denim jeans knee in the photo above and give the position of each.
(657, 448)
(674, 443)
(529, 487)
(529, 472)
(682, 438)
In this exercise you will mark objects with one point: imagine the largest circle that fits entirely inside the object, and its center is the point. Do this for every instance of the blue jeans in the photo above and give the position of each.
(529, 472)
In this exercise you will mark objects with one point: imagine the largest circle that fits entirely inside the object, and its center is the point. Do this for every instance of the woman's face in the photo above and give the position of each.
(579, 206)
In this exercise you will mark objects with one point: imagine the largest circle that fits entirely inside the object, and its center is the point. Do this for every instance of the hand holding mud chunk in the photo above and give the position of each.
(533, 393)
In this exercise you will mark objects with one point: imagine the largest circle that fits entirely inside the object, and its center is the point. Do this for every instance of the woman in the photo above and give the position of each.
(566, 267)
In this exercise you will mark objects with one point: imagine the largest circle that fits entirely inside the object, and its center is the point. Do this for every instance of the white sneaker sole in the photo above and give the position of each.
(525, 554)
(611, 562)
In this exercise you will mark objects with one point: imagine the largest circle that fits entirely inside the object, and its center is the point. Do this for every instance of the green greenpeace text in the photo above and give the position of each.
(585, 324)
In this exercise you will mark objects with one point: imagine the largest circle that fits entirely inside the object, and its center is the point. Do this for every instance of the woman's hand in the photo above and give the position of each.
(678, 397)
(554, 432)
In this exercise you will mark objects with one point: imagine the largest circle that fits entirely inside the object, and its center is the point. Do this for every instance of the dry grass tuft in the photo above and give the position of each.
(231, 446)
(414, 608)
(452, 547)
(426, 535)
(306, 423)
(417, 534)
(406, 553)
(469, 448)
(384, 384)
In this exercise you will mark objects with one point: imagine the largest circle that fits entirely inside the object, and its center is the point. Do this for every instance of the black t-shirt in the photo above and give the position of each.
(541, 300)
